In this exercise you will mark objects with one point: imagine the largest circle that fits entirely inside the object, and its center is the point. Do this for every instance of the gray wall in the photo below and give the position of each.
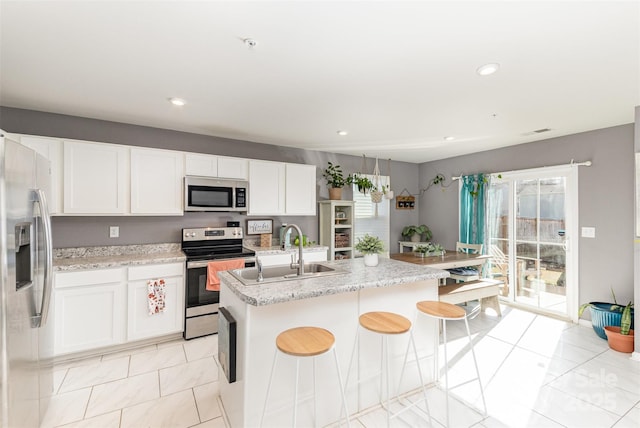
(89, 231)
(636, 286)
(605, 200)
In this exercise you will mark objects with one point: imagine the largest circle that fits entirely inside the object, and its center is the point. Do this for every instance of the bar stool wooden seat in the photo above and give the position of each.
(387, 324)
(305, 342)
(447, 312)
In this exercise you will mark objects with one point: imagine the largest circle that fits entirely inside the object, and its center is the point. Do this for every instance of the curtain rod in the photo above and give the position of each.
(585, 163)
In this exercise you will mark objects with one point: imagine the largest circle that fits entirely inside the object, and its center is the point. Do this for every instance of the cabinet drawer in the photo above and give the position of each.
(88, 277)
(155, 271)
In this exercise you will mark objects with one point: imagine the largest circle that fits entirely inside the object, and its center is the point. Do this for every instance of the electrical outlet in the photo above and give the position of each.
(114, 231)
(588, 232)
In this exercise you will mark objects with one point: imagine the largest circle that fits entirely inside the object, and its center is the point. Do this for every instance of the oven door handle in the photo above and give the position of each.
(204, 263)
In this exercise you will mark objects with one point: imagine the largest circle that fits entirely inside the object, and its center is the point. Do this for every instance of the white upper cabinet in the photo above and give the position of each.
(51, 149)
(277, 188)
(266, 188)
(96, 178)
(216, 166)
(237, 168)
(202, 165)
(156, 181)
(300, 189)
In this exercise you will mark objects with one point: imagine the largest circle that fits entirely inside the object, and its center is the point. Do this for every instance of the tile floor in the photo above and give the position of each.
(536, 371)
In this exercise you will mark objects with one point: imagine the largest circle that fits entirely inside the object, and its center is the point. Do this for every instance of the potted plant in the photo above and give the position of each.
(621, 338)
(370, 246)
(363, 183)
(428, 250)
(335, 180)
(414, 233)
(603, 314)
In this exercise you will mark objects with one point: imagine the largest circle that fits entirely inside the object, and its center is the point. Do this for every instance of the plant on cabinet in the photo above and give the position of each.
(335, 180)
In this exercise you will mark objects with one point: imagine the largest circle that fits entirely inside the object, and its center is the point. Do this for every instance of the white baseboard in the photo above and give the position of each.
(585, 323)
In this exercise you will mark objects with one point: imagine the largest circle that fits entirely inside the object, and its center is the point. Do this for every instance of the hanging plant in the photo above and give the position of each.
(376, 192)
(363, 183)
(476, 183)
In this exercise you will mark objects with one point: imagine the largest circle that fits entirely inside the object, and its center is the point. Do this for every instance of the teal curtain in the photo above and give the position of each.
(473, 196)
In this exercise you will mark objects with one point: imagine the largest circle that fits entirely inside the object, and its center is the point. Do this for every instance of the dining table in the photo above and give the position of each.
(449, 260)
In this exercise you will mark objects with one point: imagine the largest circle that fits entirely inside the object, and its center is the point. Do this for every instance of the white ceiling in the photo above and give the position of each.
(399, 76)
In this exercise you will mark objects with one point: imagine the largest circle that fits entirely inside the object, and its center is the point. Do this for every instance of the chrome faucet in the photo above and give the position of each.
(259, 266)
(300, 265)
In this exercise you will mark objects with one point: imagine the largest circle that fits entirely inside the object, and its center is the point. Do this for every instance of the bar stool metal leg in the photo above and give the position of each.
(475, 363)
(304, 342)
(386, 324)
(446, 369)
(444, 312)
(273, 368)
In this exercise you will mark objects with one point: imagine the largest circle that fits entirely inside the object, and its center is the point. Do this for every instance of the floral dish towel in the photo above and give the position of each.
(155, 295)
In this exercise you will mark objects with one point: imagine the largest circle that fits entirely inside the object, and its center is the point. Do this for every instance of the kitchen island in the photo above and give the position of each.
(331, 302)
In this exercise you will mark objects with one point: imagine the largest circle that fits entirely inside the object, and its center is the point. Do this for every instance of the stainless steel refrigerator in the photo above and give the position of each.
(26, 341)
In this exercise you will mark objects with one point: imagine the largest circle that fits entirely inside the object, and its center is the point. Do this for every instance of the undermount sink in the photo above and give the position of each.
(249, 276)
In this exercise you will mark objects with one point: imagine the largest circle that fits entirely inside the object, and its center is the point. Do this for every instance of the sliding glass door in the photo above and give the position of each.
(532, 220)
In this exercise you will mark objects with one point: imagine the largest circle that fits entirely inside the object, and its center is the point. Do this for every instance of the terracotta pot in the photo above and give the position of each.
(335, 193)
(619, 342)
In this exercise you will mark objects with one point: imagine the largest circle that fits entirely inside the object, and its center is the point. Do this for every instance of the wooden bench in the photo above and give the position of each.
(485, 290)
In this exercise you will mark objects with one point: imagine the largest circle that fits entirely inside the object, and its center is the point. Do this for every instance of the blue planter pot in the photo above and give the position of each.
(602, 315)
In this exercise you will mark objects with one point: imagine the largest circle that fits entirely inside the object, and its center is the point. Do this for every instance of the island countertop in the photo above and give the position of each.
(358, 276)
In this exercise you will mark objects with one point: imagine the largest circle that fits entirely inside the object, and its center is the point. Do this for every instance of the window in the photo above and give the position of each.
(366, 221)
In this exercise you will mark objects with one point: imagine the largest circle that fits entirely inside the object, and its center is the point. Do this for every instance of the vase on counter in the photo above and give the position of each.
(371, 259)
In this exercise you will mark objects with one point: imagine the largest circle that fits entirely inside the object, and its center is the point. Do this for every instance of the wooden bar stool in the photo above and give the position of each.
(386, 324)
(305, 342)
(448, 312)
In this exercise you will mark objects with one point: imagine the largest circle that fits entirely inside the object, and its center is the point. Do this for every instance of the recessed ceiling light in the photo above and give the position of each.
(177, 101)
(449, 138)
(343, 133)
(488, 69)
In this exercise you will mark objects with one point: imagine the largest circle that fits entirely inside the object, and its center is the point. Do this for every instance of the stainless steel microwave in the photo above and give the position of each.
(215, 194)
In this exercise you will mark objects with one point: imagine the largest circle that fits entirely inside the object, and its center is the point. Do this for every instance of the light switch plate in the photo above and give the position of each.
(588, 232)
(114, 231)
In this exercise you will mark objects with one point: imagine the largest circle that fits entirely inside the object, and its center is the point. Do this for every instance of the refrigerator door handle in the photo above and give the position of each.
(41, 318)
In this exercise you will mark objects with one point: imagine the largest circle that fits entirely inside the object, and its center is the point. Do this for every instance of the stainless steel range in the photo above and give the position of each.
(202, 245)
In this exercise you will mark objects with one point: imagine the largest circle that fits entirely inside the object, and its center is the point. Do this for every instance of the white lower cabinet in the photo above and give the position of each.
(142, 325)
(90, 310)
(105, 307)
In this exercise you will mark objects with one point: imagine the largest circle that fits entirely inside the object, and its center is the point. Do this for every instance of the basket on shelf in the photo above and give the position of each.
(342, 240)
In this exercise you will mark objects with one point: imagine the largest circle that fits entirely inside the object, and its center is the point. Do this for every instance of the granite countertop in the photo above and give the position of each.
(387, 273)
(275, 249)
(82, 258)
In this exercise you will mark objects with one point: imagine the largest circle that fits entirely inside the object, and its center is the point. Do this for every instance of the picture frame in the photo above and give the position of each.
(259, 227)
(405, 202)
